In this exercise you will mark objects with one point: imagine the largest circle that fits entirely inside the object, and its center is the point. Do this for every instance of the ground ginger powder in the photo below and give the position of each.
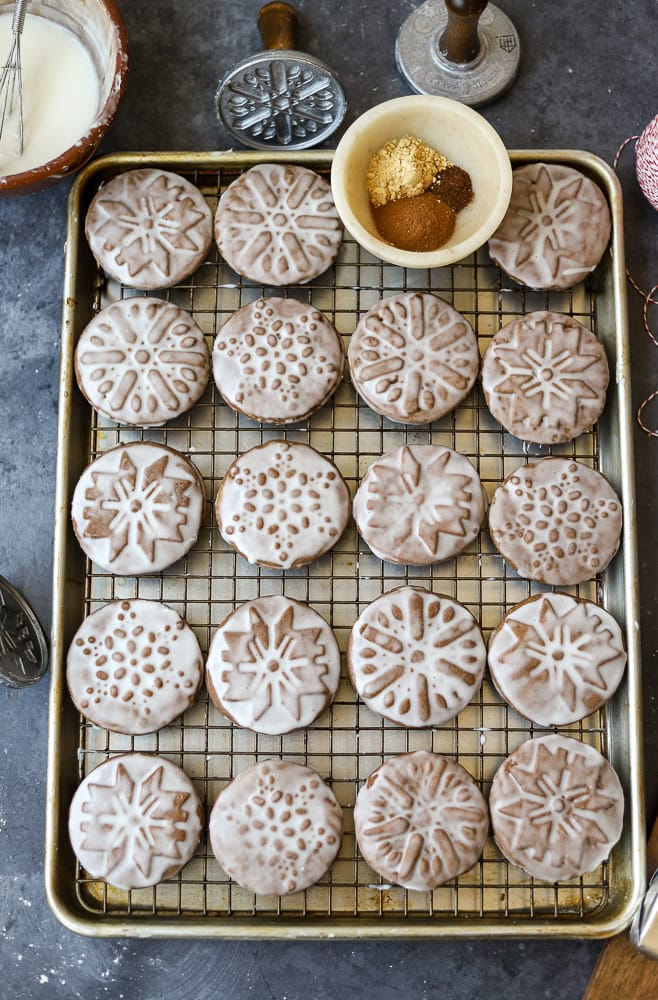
(402, 168)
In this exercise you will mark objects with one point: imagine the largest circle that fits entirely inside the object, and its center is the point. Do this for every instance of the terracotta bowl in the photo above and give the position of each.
(458, 132)
(99, 26)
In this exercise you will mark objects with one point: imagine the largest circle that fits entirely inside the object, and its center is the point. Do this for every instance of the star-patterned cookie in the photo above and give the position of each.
(420, 820)
(138, 508)
(273, 665)
(413, 358)
(556, 521)
(277, 224)
(419, 504)
(556, 658)
(135, 821)
(557, 808)
(142, 361)
(545, 377)
(555, 230)
(149, 228)
(416, 658)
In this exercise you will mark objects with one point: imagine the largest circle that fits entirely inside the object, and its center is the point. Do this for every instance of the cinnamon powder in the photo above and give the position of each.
(420, 223)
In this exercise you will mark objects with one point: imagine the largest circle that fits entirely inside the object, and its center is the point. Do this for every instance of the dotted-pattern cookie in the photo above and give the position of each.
(276, 828)
(419, 504)
(273, 665)
(557, 808)
(277, 224)
(416, 658)
(555, 230)
(135, 821)
(149, 228)
(142, 362)
(545, 377)
(282, 504)
(138, 508)
(133, 667)
(420, 820)
(556, 658)
(413, 358)
(556, 521)
(277, 360)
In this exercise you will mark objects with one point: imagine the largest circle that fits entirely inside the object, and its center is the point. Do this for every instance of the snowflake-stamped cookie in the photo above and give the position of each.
(135, 821)
(557, 808)
(273, 665)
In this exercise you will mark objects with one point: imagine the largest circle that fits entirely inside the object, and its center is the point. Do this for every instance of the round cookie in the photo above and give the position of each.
(138, 508)
(282, 504)
(133, 667)
(556, 658)
(420, 820)
(557, 808)
(276, 828)
(545, 377)
(419, 504)
(556, 521)
(277, 224)
(135, 821)
(149, 228)
(555, 230)
(413, 358)
(273, 665)
(142, 362)
(416, 658)
(277, 360)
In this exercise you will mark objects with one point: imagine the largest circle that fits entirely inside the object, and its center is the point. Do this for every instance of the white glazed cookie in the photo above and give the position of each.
(277, 360)
(277, 224)
(557, 808)
(142, 362)
(419, 504)
(133, 667)
(416, 658)
(149, 228)
(556, 521)
(282, 504)
(135, 821)
(420, 820)
(273, 665)
(138, 508)
(413, 358)
(556, 658)
(545, 377)
(276, 828)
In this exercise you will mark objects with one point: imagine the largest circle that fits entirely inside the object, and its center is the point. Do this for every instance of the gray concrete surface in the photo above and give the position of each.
(587, 80)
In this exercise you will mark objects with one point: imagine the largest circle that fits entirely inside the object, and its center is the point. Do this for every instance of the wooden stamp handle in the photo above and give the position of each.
(460, 43)
(277, 23)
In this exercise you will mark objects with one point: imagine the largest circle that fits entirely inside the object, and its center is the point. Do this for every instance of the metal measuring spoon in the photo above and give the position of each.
(23, 648)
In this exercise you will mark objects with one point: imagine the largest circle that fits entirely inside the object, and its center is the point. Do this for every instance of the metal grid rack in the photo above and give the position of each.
(348, 741)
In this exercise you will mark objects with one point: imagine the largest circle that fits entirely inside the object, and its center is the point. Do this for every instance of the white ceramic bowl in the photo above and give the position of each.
(461, 134)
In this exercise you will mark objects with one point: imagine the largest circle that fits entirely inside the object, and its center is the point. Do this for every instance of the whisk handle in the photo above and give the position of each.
(20, 11)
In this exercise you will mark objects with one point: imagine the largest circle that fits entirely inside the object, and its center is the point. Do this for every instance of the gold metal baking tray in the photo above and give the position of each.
(348, 742)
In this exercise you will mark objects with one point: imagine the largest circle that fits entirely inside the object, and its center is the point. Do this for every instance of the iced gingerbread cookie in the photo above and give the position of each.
(419, 504)
(135, 821)
(282, 504)
(557, 808)
(416, 658)
(142, 362)
(555, 230)
(138, 508)
(277, 224)
(545, 378)
(556, 658)
(276, 828)
(420, 820)
(556, 521)
(277, 360)
(273, 665)
(413, 358)
(133, 667)
(149, 228)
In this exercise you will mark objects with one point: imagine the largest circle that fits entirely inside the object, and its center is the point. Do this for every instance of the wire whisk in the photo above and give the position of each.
(11, 79)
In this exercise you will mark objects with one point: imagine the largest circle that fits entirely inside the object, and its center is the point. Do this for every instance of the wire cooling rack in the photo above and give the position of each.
(348, 742)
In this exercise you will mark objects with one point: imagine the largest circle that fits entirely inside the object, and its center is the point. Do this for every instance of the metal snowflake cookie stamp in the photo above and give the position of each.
(23, 648)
